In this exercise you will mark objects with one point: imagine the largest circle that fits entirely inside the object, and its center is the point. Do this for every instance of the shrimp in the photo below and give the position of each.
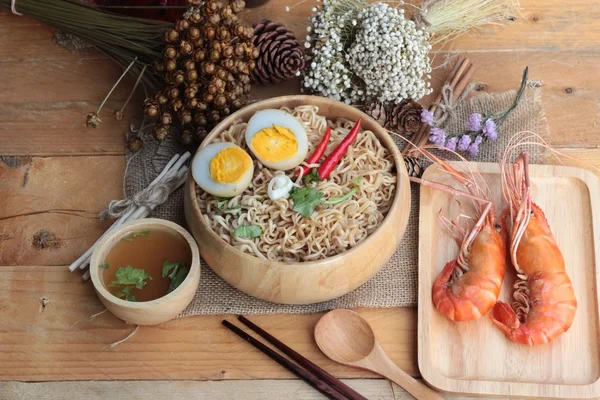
(469, 285)
(544, 300)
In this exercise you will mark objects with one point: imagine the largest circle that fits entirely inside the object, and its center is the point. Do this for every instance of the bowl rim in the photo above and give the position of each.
(380, 132)
(100, 251)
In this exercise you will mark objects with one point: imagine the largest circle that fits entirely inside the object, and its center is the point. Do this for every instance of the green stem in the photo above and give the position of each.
(337, 200)
(115, 85)
(503, 117)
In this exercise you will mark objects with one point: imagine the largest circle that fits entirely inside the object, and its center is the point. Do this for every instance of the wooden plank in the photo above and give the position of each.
(570, 98)
(34, 81)
(48, 217)
(547, 25)
(62, 342)
(32, 129)
(372, 389)
(24, 38)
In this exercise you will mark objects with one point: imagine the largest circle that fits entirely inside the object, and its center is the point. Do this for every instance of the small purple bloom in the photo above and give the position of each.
(474, 147)
(474, 122)
(427, 117)
(473, 150)
(489, 130)
(464, 142)
(451, 143)
(437, 136)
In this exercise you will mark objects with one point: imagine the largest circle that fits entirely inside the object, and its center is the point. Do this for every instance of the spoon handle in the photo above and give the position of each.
(419, 390)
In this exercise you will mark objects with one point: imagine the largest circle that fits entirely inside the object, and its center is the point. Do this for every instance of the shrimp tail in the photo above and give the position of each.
(505, 318)
(440, 296)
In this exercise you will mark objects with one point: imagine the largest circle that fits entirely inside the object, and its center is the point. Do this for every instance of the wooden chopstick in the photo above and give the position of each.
(310, 366)
(303, 374)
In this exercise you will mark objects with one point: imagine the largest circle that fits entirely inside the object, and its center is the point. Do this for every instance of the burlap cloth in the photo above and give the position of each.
(396, 284)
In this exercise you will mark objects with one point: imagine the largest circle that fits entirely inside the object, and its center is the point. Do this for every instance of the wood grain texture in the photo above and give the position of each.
(450, 353)
(558, 40)
(46, 216)
(63, 343)
(314, 281)
(373, 389)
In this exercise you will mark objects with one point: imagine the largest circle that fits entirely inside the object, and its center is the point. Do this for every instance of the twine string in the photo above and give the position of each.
(13, 7)
(447, 107)
(148, 198)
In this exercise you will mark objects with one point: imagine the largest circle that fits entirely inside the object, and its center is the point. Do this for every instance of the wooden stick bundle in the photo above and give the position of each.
(458, 80)
(174, 171)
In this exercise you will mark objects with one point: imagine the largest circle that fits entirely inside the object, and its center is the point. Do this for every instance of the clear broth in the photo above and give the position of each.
(147, 252)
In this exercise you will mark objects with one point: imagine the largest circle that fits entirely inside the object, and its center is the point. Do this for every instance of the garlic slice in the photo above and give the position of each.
(279, 187)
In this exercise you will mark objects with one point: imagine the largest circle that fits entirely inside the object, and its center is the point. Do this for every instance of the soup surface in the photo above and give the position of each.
(146, 250)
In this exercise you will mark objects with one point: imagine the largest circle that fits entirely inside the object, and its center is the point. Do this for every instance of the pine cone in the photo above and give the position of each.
(280, 55)
(413, 166)
(378, 112)
(405, 118)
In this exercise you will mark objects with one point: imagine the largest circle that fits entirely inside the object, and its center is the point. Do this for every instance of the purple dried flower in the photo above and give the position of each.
(437, 136)
(474, 122)
(473, 150)
(489, 130)
(464, 142)
(451, 143)
(427, 117)
(474, 147)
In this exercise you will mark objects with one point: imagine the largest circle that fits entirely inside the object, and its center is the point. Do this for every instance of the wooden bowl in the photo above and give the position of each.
(304, 282)
(151, 312)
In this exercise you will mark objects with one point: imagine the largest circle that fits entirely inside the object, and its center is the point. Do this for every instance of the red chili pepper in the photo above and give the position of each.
(336, 155)
(318, 153)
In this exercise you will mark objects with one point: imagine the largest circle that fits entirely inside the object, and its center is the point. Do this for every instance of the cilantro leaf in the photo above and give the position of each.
(178, 277)
(222, 205)
(176, 272)
(131, 276)
(248, 231)
(126, 293)
(103, 266)
(312, 176)
(305, 200)
(140, 234)
(127, 239)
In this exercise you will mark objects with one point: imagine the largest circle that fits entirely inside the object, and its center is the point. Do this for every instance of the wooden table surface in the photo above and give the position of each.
(56, 176)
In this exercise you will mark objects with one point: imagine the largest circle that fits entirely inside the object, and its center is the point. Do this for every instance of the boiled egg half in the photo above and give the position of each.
(277, 139)
(222, 169)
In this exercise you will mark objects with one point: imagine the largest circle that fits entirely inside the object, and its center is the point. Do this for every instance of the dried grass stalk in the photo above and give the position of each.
(447, 19)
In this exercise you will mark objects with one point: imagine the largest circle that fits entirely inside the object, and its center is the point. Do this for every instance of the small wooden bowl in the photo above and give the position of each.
(304, 282)
(156, 311)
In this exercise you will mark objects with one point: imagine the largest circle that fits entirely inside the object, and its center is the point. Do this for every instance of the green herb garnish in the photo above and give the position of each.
(248, 231)
(305, 200)
(312, 176)
(131, 276)
(336, 200)
(103, 266)
(176, 272)
(136, 235)
(140, 234)
(222, 205)
(126, 293)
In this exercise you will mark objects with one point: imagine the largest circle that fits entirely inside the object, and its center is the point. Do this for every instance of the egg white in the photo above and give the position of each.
(201, 172)
(266, 119)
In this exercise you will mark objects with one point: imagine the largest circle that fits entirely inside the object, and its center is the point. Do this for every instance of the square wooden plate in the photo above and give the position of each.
(475, 357)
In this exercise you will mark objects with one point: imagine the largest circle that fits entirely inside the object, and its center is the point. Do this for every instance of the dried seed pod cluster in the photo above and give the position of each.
(206, 64)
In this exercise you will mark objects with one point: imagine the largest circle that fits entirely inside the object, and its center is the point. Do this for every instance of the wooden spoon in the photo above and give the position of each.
(345, 337)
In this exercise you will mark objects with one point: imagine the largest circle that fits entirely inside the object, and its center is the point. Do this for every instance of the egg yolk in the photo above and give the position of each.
(229, 165)
(275, 144)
